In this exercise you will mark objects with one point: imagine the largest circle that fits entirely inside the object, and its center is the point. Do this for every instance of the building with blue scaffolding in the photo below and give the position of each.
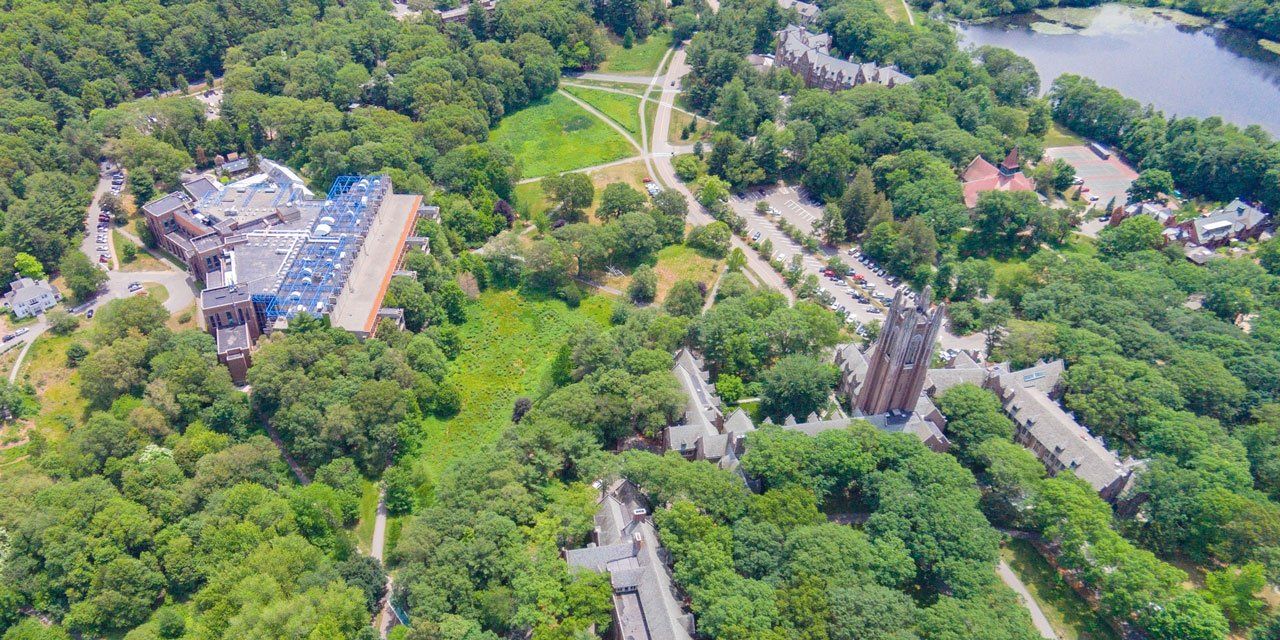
(268, 250)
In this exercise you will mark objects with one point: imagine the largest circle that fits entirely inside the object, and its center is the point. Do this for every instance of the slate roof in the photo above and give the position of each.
(1057, 435)
(627, 547)
(1229, 221)
(24, 290)
(810, 54)
(807, 11)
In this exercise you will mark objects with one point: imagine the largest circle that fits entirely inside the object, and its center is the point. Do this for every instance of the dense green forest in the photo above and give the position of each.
(152, 502)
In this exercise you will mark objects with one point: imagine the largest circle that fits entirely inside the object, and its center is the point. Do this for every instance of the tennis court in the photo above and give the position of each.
(1104, 178)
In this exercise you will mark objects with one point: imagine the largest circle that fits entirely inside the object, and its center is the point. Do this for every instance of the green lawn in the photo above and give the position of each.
(895, 9)
(622, 109)
(555, 135)
(57, 386)
(1060, 136)
(368, 513)
(508, 344)
(679, 262)
(642, 58)
(530, 200)
(1070, 616)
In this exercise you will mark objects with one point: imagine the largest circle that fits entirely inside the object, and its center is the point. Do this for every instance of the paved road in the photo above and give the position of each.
(1037, 615)
(89, 245)
(377, 547)
(660, 164)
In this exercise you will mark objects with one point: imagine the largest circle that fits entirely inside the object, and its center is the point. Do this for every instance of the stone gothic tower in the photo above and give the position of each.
(899, 360)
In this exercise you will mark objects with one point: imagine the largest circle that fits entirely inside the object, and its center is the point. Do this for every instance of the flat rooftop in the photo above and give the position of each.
(258, 263)
(357, 306)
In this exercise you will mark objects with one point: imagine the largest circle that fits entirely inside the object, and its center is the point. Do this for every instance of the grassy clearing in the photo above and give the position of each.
(156, 291)
(674, 263)
(530, 200)
(622, 109)
(368, 512)
(632, 88)
(555, 135)
(642, 58)
(680, 120)
(895, 9)
(57, 386)
(144, 261)
(1071, 618)
(1060, 136)
(508, 345)
(678, 262)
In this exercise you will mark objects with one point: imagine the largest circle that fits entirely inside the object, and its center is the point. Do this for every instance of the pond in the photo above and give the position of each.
(1181, 64)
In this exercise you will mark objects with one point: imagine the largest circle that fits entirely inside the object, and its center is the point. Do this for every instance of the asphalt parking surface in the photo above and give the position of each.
(1104, 178)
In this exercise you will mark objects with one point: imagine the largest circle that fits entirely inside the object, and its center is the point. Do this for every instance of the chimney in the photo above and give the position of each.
(637, 542)
(638, 515)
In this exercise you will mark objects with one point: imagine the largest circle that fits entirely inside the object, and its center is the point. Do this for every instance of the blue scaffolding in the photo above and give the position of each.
(318, 272)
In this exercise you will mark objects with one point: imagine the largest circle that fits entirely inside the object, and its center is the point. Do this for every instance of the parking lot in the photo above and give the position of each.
(792, 205)
(1105, 179)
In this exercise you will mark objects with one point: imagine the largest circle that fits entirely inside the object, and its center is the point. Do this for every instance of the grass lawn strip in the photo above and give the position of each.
(641, 59)
(555, 135)
(1060, 136)
(1070, 616)
(622, 109)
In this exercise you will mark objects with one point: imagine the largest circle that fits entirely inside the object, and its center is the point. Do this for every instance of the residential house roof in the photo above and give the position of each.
(1229, 221)
(25, 290)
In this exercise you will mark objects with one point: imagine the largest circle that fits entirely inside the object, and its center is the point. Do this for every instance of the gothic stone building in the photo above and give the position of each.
(809, 56)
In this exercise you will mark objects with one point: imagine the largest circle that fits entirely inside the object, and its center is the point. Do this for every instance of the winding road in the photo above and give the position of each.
(180, 286)
(660, 153)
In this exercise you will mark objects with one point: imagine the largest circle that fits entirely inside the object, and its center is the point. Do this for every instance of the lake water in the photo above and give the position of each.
(1183, 70)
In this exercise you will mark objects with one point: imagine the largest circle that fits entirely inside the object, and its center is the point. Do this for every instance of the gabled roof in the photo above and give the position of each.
(628, 549)
(24, 290)
(1235, 218)
(982, 176)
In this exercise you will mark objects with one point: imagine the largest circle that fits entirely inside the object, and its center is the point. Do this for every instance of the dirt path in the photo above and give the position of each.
(606, 165)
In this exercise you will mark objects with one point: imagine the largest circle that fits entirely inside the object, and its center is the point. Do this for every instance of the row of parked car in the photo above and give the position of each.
(15, 334)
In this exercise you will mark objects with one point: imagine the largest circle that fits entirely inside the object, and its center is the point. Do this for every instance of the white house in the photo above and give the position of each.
(29, 297)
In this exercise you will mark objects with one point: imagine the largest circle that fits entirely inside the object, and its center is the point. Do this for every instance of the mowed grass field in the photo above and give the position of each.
(508, 345)
(642, 58)
(555, 135)
(621, 108)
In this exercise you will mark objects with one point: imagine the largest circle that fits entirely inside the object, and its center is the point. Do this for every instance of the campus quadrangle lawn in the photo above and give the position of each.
(622, 108)
(555, 135)
(508, 345)
(642, 58)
